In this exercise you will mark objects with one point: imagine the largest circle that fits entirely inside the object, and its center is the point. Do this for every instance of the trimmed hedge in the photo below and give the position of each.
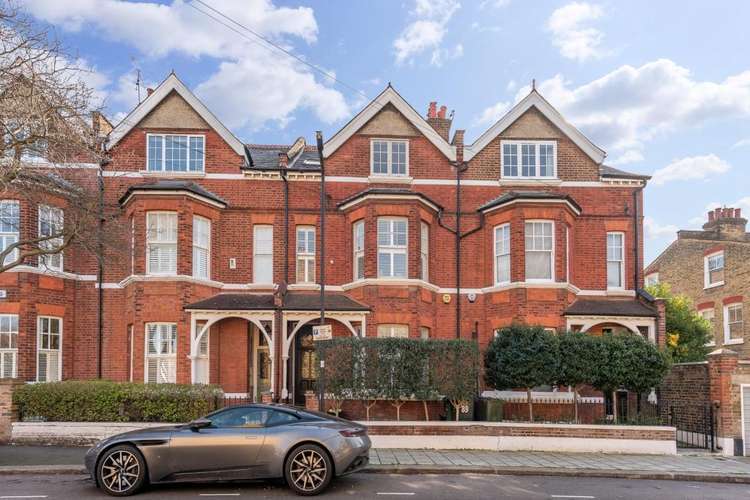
(104, 401)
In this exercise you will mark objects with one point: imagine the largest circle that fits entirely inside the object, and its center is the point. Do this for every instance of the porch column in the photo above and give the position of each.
(284, 358)
(193, 324)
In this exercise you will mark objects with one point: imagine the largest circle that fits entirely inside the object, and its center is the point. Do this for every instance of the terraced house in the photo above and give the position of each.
(217, 279)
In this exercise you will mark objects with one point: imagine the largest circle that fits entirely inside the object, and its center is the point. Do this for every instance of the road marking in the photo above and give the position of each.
(219, 494)
(394, 493)
(571, 496)
(23, 496)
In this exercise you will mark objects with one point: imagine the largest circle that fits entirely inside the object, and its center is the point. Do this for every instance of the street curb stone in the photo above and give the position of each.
(431, 469)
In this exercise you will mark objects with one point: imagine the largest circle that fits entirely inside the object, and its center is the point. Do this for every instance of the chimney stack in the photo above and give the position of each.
(438, 120)
(283, 160)
(727, 222)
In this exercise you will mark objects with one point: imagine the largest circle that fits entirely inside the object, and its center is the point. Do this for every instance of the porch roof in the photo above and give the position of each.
(293, 301)
(610, 307)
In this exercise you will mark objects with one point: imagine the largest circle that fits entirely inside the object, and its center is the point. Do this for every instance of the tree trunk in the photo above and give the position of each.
(456, 408)
(614, 406)
(367, 408)
(426, 413)
(575, 403)
(528, 400)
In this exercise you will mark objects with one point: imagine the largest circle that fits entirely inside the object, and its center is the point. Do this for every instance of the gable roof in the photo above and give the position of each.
(534, 99)
(172, 83)
(389, 95)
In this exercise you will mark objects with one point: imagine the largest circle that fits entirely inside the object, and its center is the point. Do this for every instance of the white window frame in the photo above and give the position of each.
(306, 256)
(389, 163)
(707, 275)
(164, 153)
(727, 337)
(388, 330)
(424, 332)
(197, 248)
(40, 350)
(358, 249)
(651, 279)
(424, 251)
(162, 243)
(537, 165)
(712, 320)
(12, 334)
(11, 236)
(552, 252)
(160, 356)
(393, 249)
(257, 267)
(496, 252)
(621, 261)
(53, 262)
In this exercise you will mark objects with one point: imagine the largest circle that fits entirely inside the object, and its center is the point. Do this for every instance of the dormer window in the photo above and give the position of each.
(388, 157)
(529, 159)
(175, 153)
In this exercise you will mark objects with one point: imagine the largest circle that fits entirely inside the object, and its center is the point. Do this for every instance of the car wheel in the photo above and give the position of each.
(121, 471)
(308, 470)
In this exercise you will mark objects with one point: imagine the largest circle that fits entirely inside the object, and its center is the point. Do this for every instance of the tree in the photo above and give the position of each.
(45, 108)
(522, 356)
(455, 367)
(611, 369)
(577, 360)
(648, 365)
(687, 332)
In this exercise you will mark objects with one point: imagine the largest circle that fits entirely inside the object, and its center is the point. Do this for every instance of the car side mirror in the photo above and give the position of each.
(199, 423)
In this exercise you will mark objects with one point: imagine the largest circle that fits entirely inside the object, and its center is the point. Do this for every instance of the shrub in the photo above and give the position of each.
(104, 401)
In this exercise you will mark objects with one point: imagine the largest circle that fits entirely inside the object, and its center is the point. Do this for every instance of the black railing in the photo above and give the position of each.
(695, 424)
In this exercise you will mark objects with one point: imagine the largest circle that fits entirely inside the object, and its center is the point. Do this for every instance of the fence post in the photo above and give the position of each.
(8, 410)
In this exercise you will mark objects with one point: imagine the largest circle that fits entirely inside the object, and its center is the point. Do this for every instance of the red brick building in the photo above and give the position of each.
(216, 279)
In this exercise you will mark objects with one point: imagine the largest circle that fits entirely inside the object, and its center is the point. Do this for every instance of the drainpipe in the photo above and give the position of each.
(319, 141)
(286, 225)
(636, 250)
(459, 166)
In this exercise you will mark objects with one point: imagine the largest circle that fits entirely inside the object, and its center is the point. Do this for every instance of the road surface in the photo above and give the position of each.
(384, 486)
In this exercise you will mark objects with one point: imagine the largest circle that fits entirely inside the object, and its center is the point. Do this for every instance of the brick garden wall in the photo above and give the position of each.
(685, 393)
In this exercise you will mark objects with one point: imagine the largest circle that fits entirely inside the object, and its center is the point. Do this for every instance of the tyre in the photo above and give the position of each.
(308, 470)
(121, 471)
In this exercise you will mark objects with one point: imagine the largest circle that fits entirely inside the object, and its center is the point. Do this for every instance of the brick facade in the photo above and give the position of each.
(254, 195)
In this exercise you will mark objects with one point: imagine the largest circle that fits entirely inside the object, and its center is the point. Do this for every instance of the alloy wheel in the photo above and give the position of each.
(120, 471)
(308, 470)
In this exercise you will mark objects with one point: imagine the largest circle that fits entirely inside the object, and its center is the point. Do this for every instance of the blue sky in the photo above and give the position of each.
(663, 86)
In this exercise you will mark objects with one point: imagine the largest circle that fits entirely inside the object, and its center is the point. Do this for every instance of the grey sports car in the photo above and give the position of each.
(258, 441)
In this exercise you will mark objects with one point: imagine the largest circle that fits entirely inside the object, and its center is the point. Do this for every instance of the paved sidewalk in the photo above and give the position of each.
(69, 460)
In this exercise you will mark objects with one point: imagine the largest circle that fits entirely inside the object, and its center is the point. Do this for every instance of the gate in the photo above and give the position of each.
(695, 424)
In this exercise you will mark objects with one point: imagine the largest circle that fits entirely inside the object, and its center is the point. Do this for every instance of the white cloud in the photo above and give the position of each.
(492, 114)
(572, 33)
(630, 156)
(163, 30)
(427, 31)
(497, 4)
(512, 85)
(741, 143)
(632, 105)
(654, 230)
(690, 168)
(441, 55)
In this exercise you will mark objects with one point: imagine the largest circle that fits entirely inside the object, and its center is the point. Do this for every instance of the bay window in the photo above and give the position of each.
(49, 341)
(51, 225)
(9, 227)
(502, 254)
(392, 247)
(388, 157)
(358, 240)
(615, 260)
(539, 243)
(175, 153)
(161, 349)
(201, 247)
(305, 254)
(8, 345)
(263, 254)
(536, 159)
(161, 243)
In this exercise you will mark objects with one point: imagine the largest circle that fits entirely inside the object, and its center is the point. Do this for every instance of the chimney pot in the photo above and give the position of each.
(710, 216)
(737, 213)
(441, 113)
(717, 213)
(432, 111)
(149, 91)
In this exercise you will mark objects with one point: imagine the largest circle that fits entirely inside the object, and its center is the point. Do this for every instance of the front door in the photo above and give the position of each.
(306, 365)
(260, 372)
(228, 449)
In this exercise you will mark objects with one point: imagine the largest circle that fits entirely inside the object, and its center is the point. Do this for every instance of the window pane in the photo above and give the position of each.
(398, 158)
(399, 265)
(155, 144)
(196, 154)
(175, 153)
(614, 274)
(538, 265)
(546, 160)
(384, 264)
(379, 157)
(528, 160)
(384, 232)
(510, 160)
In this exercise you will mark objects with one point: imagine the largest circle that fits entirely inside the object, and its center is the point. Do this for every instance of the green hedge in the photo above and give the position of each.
(104, 401)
